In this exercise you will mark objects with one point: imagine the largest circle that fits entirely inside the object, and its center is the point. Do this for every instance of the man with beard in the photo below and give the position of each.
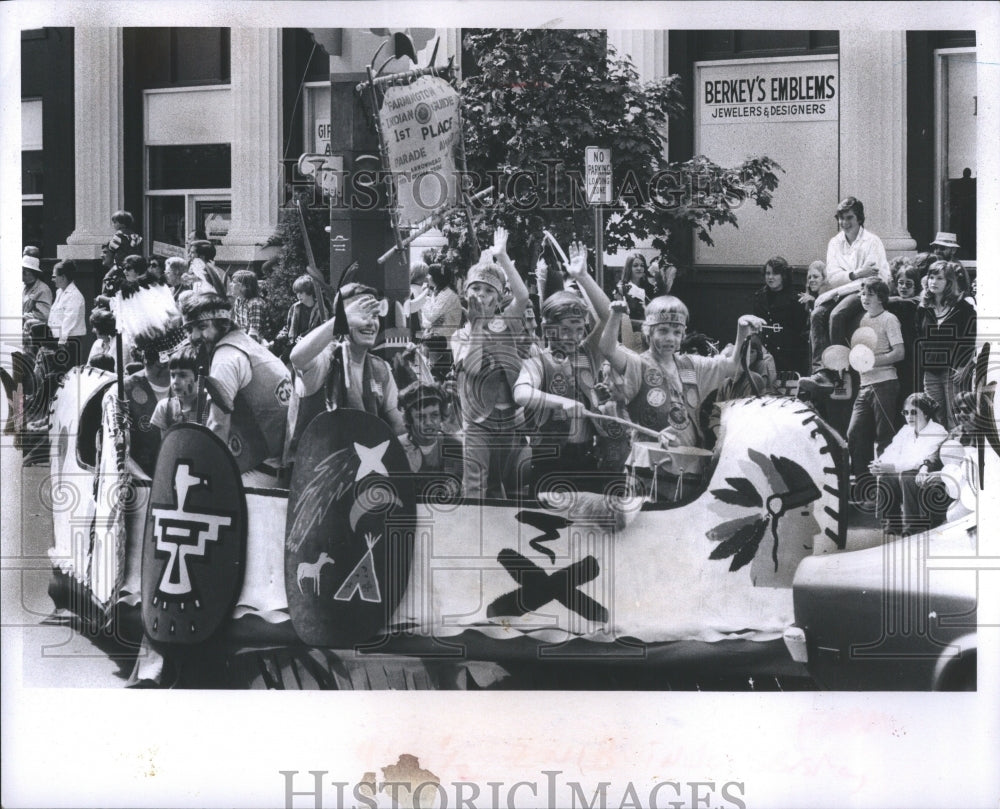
(250, 389)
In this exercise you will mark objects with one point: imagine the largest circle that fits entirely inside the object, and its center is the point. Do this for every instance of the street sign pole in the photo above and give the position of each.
(599, 243)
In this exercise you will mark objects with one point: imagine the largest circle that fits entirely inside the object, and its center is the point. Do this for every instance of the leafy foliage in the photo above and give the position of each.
(291, 261)
(542, 96)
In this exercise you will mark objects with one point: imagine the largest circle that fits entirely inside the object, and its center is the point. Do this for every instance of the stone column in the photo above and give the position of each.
(873, 131)
(256, 147)
(98, 125)
(649, 52)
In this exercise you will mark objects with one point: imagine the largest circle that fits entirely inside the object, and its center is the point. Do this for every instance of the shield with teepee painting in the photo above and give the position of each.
(349, 529)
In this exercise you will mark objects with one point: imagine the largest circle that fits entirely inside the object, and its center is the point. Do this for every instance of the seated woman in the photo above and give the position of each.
(899, 499)
(931, 477)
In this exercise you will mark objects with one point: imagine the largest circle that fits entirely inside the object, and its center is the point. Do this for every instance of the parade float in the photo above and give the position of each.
(359, 574)
(356, 575)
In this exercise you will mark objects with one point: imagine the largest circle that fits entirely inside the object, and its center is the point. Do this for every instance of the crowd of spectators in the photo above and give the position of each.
(504, 390)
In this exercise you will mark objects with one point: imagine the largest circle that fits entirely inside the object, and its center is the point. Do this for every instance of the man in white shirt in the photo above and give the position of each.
(67, 318)
(851, 256)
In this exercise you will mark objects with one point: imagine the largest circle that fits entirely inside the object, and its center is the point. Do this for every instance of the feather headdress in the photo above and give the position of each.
(147, 316)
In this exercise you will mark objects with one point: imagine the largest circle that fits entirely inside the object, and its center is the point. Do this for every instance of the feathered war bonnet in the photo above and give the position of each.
(147, 316)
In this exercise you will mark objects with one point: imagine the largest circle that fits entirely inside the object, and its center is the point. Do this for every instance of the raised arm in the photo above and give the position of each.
(514, 281)
(578, 271)
(609, 345)
(745, 326)
(358, 312)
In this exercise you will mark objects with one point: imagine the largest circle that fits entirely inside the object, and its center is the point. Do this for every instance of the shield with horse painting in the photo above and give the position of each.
(349, 530)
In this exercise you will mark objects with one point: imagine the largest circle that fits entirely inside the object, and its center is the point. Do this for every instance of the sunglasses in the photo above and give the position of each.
(964, 409)
(904, 284)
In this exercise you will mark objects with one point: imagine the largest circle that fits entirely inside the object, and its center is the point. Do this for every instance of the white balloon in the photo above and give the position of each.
(836, 358)
(862, 358)
(865, 336)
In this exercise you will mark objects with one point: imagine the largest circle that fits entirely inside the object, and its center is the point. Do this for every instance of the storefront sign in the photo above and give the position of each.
(322, 136)
(774, 92)
(421, 125)
(168, 250)
(786, 108)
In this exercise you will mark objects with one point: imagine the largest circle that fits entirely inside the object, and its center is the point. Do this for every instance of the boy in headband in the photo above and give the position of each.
(665, 388)
(558, 384)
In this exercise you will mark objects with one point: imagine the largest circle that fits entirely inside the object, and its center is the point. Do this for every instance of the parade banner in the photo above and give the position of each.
(421, 128)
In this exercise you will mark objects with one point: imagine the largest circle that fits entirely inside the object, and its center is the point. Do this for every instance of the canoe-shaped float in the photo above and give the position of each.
(354, 565)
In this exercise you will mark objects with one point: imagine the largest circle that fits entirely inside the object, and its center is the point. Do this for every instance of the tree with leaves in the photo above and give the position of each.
(535, 100)
(291, 261)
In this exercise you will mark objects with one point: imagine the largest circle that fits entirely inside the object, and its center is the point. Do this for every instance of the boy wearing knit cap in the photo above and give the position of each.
(488, 355)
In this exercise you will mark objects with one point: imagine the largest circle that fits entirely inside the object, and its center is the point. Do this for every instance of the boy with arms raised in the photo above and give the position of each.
(487, 363)
(558, 384)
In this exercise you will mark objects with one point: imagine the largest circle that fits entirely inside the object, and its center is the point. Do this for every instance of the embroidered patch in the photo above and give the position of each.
(283, 393)
(376, 388)
(558, 385)
(653, 377)
(678, 416)
(655, 397)
(235, 444)
(497, 325)
(139, 396)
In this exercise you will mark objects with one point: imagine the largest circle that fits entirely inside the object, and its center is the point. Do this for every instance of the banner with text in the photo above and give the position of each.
(773, 92)
(421, 125)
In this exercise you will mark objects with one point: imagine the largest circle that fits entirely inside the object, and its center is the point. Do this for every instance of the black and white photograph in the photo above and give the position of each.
(626, 367)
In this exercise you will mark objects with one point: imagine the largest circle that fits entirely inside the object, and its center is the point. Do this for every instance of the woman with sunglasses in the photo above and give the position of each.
(960, 442)
(946, 329)
(896, 469)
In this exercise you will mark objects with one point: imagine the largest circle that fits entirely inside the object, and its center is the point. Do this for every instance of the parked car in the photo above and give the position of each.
(900, 616)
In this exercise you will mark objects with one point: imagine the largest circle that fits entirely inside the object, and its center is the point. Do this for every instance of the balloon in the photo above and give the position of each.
(836, 358)
(864, 336)
(952, 452)
(862, 358)
(951, 476)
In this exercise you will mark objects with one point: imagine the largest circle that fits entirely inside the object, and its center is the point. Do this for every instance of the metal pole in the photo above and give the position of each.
(599, 243)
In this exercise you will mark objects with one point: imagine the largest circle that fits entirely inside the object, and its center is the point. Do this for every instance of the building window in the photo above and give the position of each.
(187, 190)
(955, 146)
(32, 172)
(190, 166)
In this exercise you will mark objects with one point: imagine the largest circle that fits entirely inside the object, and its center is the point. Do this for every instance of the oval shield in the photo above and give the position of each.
(349, 530)
(194, 545)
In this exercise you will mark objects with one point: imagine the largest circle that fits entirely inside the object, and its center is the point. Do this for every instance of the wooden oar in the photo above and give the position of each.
(625, 422)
